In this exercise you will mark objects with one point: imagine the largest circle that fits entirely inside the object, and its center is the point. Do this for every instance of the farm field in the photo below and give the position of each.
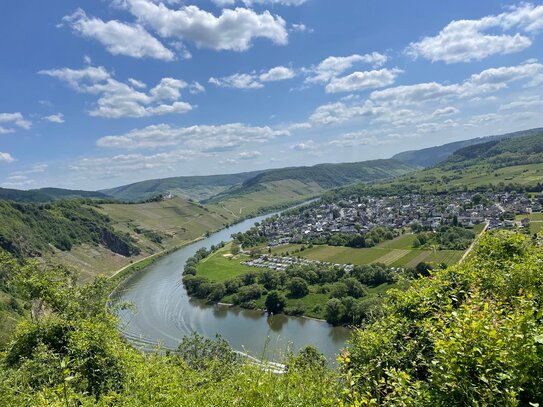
(221, 265)
(395, 253)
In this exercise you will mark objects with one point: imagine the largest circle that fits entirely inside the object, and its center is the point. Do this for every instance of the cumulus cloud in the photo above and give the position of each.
(308, 145)
(234, 29)
(249, 155)
(117, 99)
(119, 38)
(403, 104)
(279, 73)
(13, 119)
(363, 80)
(355, 139)
(332, 66)
(446, 111)
(249, 3)
(253, 80)
(196, 87)
(238, 81)
(203, 138)
(55, 118)
(473, 40)
(6, 158)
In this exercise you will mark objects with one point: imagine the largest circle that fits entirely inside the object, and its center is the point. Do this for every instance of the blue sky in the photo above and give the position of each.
(101, 93)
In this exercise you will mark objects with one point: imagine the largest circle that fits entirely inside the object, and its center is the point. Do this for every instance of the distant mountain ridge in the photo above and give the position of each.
(194, 187)
(47, 194)
(428, 157)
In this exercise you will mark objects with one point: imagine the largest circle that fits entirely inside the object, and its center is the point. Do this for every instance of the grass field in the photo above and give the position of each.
(220, 266)
(395, 253)
(536, 221)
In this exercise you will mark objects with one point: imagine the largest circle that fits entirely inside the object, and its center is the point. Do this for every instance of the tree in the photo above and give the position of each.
(335, 311)
(275, 302)
(298, 287)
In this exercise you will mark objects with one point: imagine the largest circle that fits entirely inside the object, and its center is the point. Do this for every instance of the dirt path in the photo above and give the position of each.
(470, 248)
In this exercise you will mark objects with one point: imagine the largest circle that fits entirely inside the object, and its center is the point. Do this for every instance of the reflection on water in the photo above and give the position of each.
(165, 313)
(276, 322)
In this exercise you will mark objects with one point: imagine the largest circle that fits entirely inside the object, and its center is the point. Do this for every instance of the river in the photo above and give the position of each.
(163, 313)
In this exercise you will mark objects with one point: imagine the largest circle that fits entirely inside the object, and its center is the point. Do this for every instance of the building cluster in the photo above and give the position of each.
(358, 215)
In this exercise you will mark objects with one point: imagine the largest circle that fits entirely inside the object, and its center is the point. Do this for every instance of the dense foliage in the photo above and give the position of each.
(445, 238)
(469, 335)
(33, 229)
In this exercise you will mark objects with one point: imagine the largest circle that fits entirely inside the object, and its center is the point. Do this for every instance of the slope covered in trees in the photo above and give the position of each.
(428, 157)
(36, 229)
(47, 194)
(511, 164)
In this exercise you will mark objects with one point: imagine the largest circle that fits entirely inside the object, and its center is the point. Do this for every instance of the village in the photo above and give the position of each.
(358, 215)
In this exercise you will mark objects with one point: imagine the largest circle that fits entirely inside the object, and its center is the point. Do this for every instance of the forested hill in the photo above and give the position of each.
(28, 229)
(320, 177)
(47, 194)
(510, 164)
(428, 157)
(333, 175)
(194, 187)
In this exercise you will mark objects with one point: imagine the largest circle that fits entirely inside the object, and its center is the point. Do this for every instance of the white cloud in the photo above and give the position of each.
(403, 105)
(232, 30)
(249, 155)
(308, 145)
(117, 99)
(196, 87)
(279, 73)
(253, 80)
(300, 28)
(119, 38)
(55, 118)
(249, 3)
(137, 84)
(13, 119)
(238, 81)
(340, 112)
(203, 138)
(356, 139)
(470, 40)
(446, 111)
(331, 67)
(363, 80)
(523, 103)
(6, 158)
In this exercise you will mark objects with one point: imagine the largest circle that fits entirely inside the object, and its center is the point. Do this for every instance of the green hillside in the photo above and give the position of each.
(197, 187)
(47, 194)
(39, 229)
(511, 164)
(278, 188)
(428, 157)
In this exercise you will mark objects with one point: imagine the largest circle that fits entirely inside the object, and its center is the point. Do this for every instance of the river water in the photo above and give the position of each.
(163, 313)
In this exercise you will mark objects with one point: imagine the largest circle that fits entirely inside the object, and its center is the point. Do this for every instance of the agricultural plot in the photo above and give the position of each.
(221, 265)
(394, 253)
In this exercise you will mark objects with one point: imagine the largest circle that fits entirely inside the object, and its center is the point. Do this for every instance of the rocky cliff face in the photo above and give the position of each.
(116, 244)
